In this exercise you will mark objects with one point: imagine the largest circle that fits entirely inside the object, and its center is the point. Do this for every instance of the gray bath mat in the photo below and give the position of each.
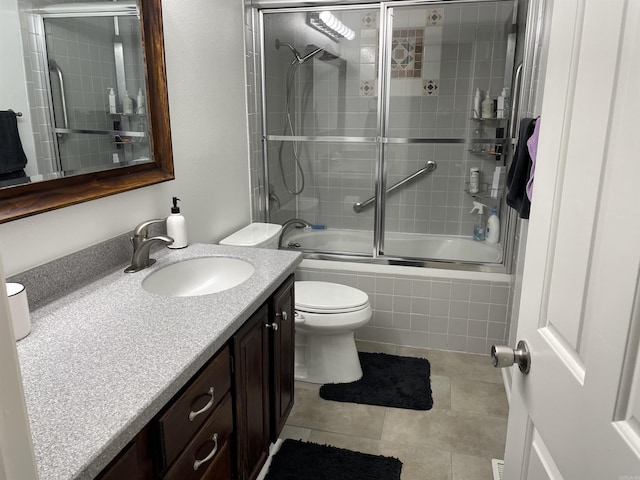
(388, 381)
(298, 460)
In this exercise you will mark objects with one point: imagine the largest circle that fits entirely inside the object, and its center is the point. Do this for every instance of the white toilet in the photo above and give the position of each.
(327, 315)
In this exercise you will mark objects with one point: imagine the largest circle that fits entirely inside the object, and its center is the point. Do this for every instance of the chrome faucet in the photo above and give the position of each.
(142, 244)
(288, 224)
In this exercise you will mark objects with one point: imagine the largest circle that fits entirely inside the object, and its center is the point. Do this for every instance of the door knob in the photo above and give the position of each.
(503, 356)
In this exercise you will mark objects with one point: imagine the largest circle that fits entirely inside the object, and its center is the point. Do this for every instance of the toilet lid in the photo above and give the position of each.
(325, 297)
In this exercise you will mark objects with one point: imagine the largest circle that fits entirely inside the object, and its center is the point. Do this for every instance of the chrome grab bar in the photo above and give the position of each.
(429, 167)
(515, 104)
(53, 66)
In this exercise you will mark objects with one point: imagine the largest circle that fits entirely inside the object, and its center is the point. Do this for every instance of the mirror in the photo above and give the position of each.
(147, 162)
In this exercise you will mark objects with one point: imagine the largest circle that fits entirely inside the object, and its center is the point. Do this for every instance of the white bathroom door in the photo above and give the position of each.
(576, 415)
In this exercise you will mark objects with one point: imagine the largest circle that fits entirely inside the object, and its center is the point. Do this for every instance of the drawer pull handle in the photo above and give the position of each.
(272, 325)
(283, 315)
(197, 463)
(193, 414)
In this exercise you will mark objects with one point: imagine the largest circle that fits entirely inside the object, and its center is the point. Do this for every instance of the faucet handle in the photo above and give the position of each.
(141, 230)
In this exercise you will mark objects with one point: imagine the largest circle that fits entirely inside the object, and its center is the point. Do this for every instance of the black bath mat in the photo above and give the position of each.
(298, 460)
(388, 381)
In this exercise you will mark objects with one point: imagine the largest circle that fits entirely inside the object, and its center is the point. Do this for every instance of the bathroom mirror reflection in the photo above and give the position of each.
(134, 148)
(85, 78)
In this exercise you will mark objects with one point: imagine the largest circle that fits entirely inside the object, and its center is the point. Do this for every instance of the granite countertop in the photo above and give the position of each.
(101, 362)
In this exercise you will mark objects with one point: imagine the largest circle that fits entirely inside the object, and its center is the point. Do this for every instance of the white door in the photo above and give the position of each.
(576, 415)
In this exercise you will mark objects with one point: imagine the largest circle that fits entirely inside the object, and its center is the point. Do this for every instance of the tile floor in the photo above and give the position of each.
(455, 440)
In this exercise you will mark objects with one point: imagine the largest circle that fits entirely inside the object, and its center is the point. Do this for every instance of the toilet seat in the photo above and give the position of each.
(329, 298)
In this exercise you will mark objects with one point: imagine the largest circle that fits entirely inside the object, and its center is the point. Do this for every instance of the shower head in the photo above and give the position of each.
(299, 58)
(311, 54)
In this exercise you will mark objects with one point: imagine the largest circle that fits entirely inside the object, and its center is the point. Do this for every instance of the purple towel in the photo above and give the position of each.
(532, 146)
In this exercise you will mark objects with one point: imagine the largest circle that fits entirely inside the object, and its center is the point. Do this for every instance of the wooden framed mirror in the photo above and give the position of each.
(29, 199)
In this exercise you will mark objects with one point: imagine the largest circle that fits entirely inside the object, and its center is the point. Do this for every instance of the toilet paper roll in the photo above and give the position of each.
(19, 310)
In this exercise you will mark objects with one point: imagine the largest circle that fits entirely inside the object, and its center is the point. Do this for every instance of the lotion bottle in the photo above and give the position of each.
(487, 107)
(127, 104)
(493, 226)
(177, 226)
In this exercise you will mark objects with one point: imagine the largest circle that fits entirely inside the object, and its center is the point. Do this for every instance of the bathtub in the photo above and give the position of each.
(397, 245)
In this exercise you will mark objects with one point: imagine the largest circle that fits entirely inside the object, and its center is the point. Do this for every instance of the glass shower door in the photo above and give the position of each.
(437, 56)
(321, 126)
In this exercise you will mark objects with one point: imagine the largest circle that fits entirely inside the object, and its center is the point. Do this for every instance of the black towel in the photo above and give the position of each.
(12, 157)
(518, 175)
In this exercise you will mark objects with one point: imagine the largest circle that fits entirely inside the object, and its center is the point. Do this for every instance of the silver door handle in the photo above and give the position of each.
(504, 356)
(272, 325)
(283, 315)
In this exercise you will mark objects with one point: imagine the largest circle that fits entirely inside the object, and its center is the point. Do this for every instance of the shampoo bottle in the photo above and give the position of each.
(177, 226)
(479, 227)
(477, 104)
(493, 226)
(112, 101)
(140, 103)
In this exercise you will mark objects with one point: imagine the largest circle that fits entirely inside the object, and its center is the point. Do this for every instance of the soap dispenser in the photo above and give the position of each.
(177, 226)
(479, 227)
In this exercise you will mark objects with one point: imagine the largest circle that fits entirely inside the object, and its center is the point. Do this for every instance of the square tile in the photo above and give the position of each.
(479, 397)
(311, 411)
(431, 87)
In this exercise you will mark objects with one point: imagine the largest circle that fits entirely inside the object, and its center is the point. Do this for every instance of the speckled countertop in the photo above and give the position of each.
(102, 361)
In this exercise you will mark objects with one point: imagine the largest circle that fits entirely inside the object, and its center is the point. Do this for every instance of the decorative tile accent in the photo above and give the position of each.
(431, 88)
(435, 17)
(367, 88)
(370, 20)
(406, 53)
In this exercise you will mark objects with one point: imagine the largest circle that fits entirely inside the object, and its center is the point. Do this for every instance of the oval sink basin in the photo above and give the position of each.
(198, 276)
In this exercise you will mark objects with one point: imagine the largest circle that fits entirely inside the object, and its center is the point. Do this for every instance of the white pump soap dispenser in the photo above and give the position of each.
(177, 227)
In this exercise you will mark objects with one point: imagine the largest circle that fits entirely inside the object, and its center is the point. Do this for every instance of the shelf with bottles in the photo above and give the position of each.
(122, 114)
(494, 150)
(484, 191)
(488, 119)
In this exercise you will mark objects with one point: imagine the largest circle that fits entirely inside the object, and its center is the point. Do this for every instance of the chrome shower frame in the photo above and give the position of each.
(260, 7)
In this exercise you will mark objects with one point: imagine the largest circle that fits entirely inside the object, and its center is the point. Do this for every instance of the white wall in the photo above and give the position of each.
(204, 43)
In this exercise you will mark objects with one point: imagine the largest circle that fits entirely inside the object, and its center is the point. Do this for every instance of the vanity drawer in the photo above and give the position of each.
(210, 449)
(193, 407)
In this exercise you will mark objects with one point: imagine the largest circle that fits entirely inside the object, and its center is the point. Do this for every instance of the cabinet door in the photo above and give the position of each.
(283, 344)
(251, 359)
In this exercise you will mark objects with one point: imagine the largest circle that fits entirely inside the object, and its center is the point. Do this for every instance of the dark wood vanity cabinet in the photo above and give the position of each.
(282, 311)
(220, 425)
(194, 432)
(263, 351)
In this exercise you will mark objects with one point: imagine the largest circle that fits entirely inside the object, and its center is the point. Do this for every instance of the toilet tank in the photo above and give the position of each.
(261, 235)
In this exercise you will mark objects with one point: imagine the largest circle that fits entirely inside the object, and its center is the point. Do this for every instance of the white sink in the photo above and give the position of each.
(198, 276)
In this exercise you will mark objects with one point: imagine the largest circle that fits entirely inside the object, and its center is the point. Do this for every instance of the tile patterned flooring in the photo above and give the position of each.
(455, 440)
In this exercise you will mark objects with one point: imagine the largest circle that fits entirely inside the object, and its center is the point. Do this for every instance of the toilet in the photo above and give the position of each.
(327, 315)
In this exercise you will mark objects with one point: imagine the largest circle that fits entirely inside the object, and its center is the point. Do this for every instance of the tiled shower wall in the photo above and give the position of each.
(463, 48)
(464, 315)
